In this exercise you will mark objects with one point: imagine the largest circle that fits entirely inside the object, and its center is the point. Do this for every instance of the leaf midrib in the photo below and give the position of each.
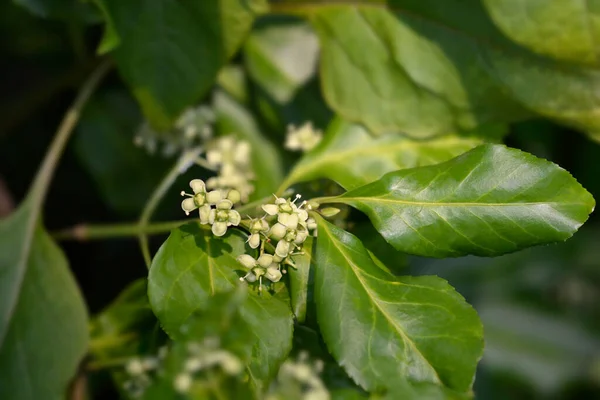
(347, 199)
(358, 273)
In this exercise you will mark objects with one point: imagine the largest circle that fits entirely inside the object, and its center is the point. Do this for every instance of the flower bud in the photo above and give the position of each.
(277, 231)
(234, 196)
(247, 261)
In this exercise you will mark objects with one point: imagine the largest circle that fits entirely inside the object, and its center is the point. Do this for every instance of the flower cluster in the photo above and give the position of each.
(231, 159)
(204, 356)
(193, 127)
(290, 229)
(299, 380)
(304, 138)
(222, 216)
(141, 371)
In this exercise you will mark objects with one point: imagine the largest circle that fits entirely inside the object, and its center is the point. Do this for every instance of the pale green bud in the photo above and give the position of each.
(254, 240)
(277, 231)
(265, 260)
(273, 274)
(283, 248)
(329, 212)
(234, 196)
(247, 261)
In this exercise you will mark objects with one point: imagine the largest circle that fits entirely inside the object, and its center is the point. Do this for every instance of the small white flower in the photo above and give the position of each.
(182, 382)
(304, 138)
(197, 200)
(222, 217)
(135, 367)
(273, 274)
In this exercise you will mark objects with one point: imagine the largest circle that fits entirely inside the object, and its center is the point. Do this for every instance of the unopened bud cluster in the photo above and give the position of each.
(222, 215)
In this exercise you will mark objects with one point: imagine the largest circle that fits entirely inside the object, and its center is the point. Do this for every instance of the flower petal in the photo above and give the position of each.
(198, 186)
(282, 249)
(273, 274)
(270, 209)
(277, 231)
(234, 218)
(188, 205)
(254, 240)
(265, 260)
(219, 228)
(204, 214)
(214, 196)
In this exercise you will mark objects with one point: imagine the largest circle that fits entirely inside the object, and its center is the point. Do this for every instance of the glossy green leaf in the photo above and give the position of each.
(193, 265)
(301, 281)
(104, 146)
(383, 328)
(488, 201)
(43, 319)
(171, 54)
(429, 67)
(233, 118)
(352, 157)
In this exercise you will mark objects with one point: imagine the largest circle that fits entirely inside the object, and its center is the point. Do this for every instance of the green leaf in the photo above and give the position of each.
(301, 281)
(429, 67)
(171, 52)
(383, 328)
(43, 319)
(352, 157)
(407, 390)
(233, 118)
(191, 266)
(489, 201)
(60, 9)
(104, 145)
(282, 57)
(110, 38)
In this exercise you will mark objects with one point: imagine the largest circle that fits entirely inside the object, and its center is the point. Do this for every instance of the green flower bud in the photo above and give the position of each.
(247, 261)
(283, 248)
(254, 240)
(277, 231)
(273, 274)
(265, 260)
(329, 212)
(234, 196)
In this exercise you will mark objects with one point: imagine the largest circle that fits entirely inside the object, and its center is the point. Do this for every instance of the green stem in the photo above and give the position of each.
(90, 232)
(185, 160)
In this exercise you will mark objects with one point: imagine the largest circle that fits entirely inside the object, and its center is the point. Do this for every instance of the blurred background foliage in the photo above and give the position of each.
(540, 307)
